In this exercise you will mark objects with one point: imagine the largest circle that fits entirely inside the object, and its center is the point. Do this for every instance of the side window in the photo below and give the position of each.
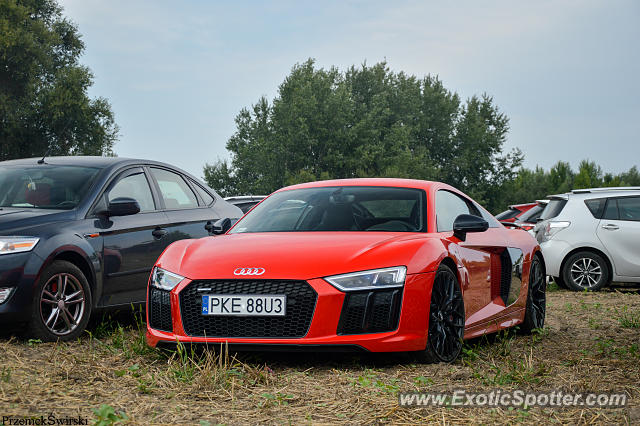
(629, 208)
(611, 211)
(136, 187)
(208, 199)
(175, 191)
(596, 206)
(448, 207)
(492, 221)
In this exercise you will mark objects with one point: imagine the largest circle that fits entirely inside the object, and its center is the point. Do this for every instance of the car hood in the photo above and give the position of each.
(16, 221)
(293, 255)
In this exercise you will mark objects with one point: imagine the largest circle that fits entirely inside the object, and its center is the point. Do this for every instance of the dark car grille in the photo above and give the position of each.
(301, 302)
(370, 312)
(160, 309)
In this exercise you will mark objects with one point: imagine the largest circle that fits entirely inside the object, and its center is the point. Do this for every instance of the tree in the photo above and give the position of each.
(589, 175)
(366, 122)
(44, 105)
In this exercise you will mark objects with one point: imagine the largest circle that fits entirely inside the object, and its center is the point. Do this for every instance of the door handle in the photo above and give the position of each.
(610, 227)
(159, 233)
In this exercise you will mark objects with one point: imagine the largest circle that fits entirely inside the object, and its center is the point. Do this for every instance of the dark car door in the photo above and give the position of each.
(131, 244)
(188, 206)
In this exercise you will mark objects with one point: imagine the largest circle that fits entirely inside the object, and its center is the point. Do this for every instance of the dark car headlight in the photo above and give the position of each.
(370, 280)
(165, 280)
(10, 245)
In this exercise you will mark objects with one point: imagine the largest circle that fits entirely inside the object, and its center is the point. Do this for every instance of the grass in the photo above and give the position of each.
(110, 376)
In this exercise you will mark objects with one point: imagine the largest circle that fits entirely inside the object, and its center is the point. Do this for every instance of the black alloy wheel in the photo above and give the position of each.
(446, 318)
(536, 307)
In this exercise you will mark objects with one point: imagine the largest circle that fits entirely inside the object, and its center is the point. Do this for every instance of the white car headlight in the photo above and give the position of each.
(10, 245)
(370, 280)
(165, 280)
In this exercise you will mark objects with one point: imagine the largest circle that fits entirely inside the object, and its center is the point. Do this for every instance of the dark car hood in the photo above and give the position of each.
(294, 255)
(16, 220)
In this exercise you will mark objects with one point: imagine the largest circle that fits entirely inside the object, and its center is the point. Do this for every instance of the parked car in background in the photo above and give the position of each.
(79, 234)
(514, 212)
(529, 219)
(245, 202)
(384, 265)
(591, 237)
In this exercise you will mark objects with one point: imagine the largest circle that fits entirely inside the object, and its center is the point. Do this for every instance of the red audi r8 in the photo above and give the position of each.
(382, 265)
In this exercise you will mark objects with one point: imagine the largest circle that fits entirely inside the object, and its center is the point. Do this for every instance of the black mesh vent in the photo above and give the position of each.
(301, 302)
(370, 312)
(505, 275)
(160, 309)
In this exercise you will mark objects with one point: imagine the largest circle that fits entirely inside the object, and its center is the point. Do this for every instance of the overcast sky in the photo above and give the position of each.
(566, 73)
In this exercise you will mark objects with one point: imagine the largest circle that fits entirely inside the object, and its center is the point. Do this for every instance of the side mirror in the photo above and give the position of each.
(221, 226)
(468, 223)
(122, 206)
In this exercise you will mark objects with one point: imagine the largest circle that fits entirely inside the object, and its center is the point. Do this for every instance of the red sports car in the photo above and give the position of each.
(382, 265)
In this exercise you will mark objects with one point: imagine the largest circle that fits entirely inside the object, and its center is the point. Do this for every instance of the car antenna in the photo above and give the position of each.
(41, 161)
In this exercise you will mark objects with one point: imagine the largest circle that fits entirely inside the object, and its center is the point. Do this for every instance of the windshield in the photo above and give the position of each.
(45, 186)
(532, 214)
(348, 208)
(553, 209)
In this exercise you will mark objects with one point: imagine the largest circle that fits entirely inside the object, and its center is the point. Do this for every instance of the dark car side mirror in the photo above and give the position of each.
(468, 223)
(121, 206)
(221, 226)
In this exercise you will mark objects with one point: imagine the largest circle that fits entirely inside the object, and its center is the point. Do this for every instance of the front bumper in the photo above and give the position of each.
(19, 271)
(410, 334)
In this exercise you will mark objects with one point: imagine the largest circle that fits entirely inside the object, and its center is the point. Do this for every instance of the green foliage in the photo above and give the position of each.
(106, 415)
(43, 88)
(365, 122)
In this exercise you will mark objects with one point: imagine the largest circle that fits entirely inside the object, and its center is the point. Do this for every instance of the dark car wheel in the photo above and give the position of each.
(446, 319)
(585, 271)
(61, 304)
(536, 298)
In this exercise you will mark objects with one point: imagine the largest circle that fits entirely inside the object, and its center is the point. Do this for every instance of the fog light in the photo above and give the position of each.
(4, 293)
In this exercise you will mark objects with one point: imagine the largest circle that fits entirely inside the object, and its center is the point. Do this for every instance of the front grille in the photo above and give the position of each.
(370, 312)
(301, 302)
(160, 309)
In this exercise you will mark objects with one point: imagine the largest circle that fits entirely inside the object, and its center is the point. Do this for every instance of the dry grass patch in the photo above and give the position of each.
(590, 343)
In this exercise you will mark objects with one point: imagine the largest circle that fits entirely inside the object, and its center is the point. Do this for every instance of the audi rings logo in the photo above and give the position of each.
(248, 271)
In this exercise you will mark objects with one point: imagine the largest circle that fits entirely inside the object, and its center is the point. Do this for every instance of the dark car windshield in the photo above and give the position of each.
(348, 208)
(45, 186)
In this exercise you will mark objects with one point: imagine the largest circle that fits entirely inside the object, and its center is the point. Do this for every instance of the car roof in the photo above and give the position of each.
(245, 198)
(516, 206)
(392, 182)
(597, 193)
(80, 160)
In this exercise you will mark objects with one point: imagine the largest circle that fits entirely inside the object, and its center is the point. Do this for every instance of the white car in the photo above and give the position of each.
(591, 237)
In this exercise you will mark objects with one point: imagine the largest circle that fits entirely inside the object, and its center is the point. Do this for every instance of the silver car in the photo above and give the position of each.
(591, 237)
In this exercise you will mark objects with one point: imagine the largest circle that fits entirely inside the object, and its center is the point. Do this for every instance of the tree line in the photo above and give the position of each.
(365, 121)
(369, 121)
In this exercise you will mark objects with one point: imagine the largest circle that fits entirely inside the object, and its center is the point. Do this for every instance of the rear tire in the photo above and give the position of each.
(446, 319)
(61, 304)
(585, 270)
(536, 307)
(560, 282)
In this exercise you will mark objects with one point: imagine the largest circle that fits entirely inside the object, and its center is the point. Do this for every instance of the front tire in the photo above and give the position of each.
(61, 304)
(585, 271)
(446, 319)
(536, 306)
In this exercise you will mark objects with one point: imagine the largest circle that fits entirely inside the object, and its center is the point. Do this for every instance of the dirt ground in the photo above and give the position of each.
(590, 343)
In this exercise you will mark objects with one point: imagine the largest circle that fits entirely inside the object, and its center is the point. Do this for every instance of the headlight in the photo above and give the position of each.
(10, 245)
(165, 280)
(370, 280)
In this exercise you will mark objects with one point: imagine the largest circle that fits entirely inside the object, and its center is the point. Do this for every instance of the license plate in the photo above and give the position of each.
(244, 305)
